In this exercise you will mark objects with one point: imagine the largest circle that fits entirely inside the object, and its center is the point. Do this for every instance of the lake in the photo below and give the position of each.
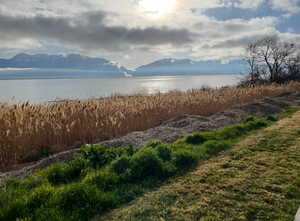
(42, 89)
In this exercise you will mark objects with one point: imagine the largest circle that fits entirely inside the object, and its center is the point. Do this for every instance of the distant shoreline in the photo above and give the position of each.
(16, 69)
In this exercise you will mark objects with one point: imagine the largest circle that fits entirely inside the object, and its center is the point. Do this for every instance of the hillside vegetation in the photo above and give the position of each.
(29, 132)
(258, 179)
(106, 178)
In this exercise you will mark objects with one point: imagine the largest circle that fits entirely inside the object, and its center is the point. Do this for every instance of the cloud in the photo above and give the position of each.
(90, 31)
(291, 6)
(115, 28)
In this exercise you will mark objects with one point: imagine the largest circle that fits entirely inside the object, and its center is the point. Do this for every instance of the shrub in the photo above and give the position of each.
(146, 164)
(272, 118)
(256, 124)
(121, 165)
(40, 198)
(57, 174)
(99, 156)
(50, 214)
(248, 119)
(170, 169)
(83, 201)
(154, 143)
(214, 147)
(14, 210)
(164, 152)
(184, 158)
(103, 179)
(128, 150)
(196, 139)
(75, 168)
(11, 190)
(231, 132)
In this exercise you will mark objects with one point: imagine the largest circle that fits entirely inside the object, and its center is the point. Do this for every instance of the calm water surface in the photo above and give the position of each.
(44, 90)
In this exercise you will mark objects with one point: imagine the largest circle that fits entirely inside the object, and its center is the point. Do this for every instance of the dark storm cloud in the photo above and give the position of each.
(89, 31)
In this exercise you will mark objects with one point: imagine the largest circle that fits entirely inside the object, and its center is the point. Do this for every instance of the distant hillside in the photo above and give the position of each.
(189, 67)
(72, 61)
(161, 67)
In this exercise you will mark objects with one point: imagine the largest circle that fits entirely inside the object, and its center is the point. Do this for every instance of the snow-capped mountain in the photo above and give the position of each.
(189, 67)
(110, 68)
(72, 61)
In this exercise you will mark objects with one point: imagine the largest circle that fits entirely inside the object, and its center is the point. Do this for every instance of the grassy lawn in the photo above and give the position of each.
(258, 179)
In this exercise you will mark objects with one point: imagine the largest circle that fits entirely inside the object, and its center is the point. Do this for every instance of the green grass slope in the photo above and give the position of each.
(258, 179)
(106, 178)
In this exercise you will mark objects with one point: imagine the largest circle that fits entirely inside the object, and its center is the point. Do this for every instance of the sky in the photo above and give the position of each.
(137, 32)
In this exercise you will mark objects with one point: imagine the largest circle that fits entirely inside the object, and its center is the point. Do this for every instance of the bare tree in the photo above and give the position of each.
(271, 60)
(293, 67)
(251, 59)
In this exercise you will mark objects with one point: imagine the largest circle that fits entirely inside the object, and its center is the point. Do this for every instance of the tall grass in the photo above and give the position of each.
(105, 178)
(26, 129)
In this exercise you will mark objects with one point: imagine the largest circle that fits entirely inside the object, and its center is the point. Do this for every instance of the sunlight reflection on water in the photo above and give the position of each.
(44, 90)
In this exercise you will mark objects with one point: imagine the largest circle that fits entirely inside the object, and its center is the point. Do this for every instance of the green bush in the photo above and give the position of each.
(40, 198)
(146, 164)
(83, 201)
(104, 179)
(154, 143)
(57, 174)
(184, 158)
(129, 150)
(99, 156)
(256, 124)
(164, 152)
(63, 173)
(196, 139)
(248, 119)
(170, 169)
(215, 147)
(121, 165)
(272, 118)
(76, 167)
(231, 132)
(14, 210)
(49, 214)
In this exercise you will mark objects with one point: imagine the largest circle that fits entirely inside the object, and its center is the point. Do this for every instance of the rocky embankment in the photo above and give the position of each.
(174, 129)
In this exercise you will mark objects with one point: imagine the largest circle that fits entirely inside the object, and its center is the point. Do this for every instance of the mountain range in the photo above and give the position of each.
(161, 67)
(189, 67)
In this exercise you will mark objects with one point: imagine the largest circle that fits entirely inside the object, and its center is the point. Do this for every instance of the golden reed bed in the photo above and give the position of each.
(26, 129)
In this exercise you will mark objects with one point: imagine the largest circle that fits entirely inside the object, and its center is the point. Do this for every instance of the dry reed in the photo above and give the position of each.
(26, 128)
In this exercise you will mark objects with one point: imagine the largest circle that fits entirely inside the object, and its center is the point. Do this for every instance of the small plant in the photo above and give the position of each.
(50, 214)
(76, 167)
(99, 156)
(164, 152)
(57, 174)
(83, 201)
(104, 179)
(146, 164)
(14, 210)
(196, 139)
(184, 158)
(215, 147)
(121, 165)
(40, 198)
(64, 173)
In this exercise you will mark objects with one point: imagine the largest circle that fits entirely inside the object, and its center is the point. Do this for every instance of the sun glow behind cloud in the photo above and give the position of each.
(158, 7)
